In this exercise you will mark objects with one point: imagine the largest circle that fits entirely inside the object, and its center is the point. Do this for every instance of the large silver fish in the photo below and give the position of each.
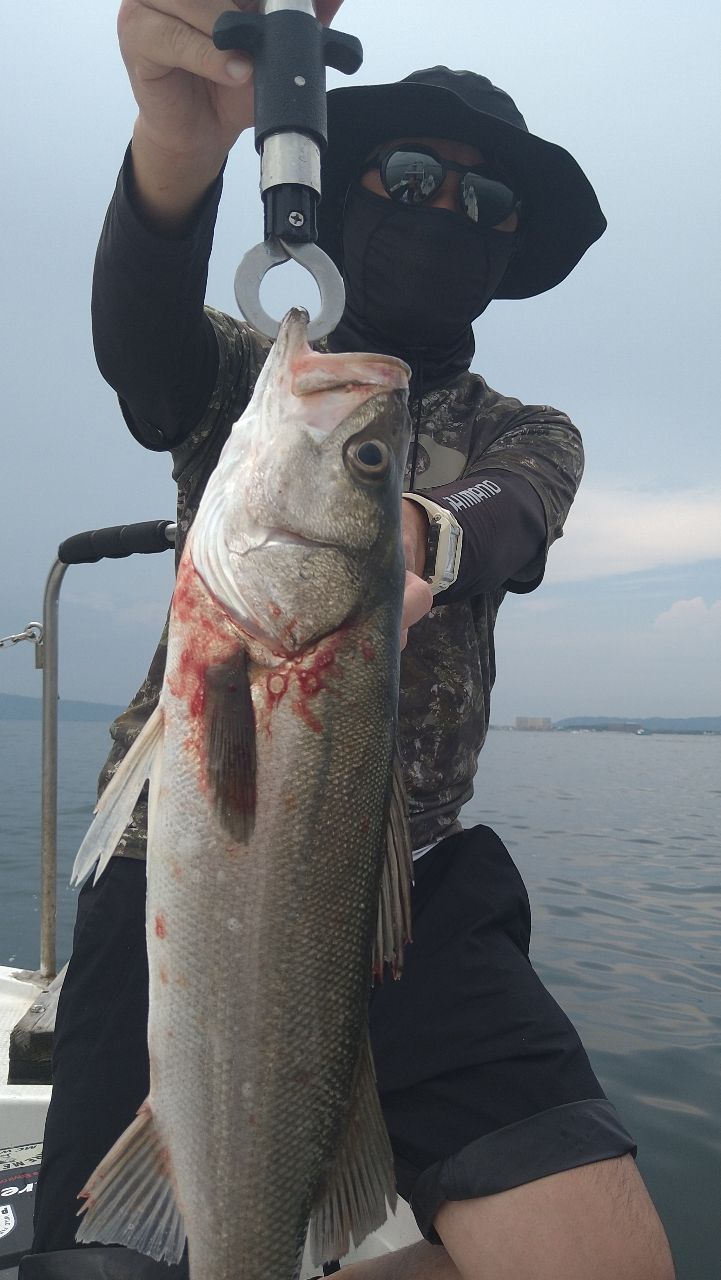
(272, 887)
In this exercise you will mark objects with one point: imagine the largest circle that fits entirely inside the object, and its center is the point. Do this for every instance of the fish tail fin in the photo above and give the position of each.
(115, 806)
(130, 1198)
(352, 1200)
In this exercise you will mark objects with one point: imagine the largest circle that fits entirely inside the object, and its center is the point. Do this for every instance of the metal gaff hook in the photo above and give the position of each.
(261, 259)
(291, 50)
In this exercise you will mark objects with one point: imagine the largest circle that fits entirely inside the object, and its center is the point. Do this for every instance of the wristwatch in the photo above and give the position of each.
(444, 545)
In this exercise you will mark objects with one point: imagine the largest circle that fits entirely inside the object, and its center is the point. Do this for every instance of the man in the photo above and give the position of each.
(436, 199)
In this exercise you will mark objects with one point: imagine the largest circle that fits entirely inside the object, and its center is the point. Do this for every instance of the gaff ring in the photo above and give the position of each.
(271, 253)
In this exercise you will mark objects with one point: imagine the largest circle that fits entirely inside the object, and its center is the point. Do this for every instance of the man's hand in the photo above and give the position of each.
(417, 600)
(418, 597)
(193, 100)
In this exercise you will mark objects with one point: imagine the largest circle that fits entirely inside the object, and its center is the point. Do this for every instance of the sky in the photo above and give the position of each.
(628, 619)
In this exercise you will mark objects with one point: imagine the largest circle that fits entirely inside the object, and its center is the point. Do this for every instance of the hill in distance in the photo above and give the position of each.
(654, 724)
(15, 707)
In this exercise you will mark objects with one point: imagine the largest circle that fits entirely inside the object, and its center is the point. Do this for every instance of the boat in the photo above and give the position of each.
(28, 999)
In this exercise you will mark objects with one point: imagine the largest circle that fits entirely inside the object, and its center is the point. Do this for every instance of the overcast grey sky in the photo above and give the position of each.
(628, 621)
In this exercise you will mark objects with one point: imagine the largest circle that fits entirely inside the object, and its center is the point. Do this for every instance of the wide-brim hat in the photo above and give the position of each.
(561, 216)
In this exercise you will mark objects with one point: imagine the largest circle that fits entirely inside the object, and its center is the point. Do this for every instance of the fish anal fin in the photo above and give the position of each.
(115, 806)
(352, 1200)
(130, 1198)
(393, 928)
(230, 745)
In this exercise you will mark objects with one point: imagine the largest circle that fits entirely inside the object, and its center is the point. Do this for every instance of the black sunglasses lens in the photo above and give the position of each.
(411, 176)
(486, 201)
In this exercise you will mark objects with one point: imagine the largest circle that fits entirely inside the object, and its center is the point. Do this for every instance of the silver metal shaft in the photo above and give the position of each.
(290, 158)
(49, 792)
(300, 6)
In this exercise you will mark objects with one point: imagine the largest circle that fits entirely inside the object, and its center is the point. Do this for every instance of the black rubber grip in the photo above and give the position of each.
(290, 50)
(145, 538)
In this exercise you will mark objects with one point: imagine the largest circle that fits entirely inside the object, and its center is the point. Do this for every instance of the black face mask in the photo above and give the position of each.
(415, 278)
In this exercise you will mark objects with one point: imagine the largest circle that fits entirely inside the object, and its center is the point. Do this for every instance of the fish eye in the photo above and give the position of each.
(370, 459)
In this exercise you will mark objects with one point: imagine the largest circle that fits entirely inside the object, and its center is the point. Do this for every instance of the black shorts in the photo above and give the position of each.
(483, 1080)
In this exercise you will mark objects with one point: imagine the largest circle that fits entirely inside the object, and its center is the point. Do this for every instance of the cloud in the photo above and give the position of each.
(690, 615)
(618, 531)
(125, 611)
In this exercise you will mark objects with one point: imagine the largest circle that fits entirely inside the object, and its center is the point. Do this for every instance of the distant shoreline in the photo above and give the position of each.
(694, 726)
(18, 707)
(14, 706)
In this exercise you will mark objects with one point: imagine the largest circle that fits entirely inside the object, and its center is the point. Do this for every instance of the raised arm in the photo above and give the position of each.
(153, 343)
(193, 101)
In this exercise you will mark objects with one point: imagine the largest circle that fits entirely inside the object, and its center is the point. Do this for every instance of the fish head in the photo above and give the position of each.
(299, 529)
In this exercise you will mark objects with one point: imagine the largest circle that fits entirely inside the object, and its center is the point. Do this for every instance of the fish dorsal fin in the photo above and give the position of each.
(130, 1198)
(230, 745)
(352, 1200)
(393, 929)
(115, 806)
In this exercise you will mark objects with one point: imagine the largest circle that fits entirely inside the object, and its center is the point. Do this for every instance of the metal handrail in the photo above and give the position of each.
(118, 542)
(47, 654)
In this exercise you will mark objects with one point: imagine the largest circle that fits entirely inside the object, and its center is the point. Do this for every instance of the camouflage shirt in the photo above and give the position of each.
(448, 667)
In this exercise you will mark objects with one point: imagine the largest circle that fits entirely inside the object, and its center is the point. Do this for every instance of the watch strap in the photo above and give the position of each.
(444, 544)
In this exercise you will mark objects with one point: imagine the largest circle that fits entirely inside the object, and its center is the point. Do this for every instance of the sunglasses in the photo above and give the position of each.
(412, 175)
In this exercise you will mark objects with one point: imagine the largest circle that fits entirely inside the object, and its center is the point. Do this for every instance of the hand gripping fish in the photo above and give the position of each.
(273, 886)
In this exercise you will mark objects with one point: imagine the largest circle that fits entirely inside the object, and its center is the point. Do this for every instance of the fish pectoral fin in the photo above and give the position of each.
(115, 806)
(393, 929)
(352, 1200)
(130, 1198)
(230, 743)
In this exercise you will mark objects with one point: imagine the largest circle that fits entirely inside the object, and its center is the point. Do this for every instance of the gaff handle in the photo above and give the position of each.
(291, 50)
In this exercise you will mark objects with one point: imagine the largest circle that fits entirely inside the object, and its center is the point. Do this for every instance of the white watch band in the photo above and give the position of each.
(442, 571)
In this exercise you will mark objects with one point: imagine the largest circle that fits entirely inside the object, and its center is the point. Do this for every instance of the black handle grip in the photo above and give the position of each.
(291, 51)
(145, 538)
(342, 51)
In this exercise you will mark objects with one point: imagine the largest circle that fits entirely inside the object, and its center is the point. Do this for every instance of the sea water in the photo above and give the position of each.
(618, 838)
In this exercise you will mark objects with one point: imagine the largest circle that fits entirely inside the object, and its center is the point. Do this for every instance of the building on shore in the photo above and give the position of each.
(541, 724)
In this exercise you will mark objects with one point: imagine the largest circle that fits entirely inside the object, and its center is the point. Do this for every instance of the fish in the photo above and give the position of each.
(279, 860)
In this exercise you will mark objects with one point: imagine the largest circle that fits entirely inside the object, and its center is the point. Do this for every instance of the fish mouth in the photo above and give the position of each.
(362, 374)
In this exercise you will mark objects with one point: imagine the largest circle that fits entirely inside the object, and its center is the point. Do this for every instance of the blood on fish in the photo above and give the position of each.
(184, 594)
(163, 975)
(276, 685)
(311, 673)
(161, 928)
(307, 716)
(368, 650)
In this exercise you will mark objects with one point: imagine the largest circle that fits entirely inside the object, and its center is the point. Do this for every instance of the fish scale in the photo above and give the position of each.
(271, 759)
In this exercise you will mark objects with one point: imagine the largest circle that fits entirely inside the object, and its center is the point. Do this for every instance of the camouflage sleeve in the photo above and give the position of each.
(242, 353)
(541, 444)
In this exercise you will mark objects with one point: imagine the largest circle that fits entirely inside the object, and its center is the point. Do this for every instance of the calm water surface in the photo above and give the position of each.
(618, 839)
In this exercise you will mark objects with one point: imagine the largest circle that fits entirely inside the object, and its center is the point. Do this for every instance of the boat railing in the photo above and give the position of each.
(115, 543)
